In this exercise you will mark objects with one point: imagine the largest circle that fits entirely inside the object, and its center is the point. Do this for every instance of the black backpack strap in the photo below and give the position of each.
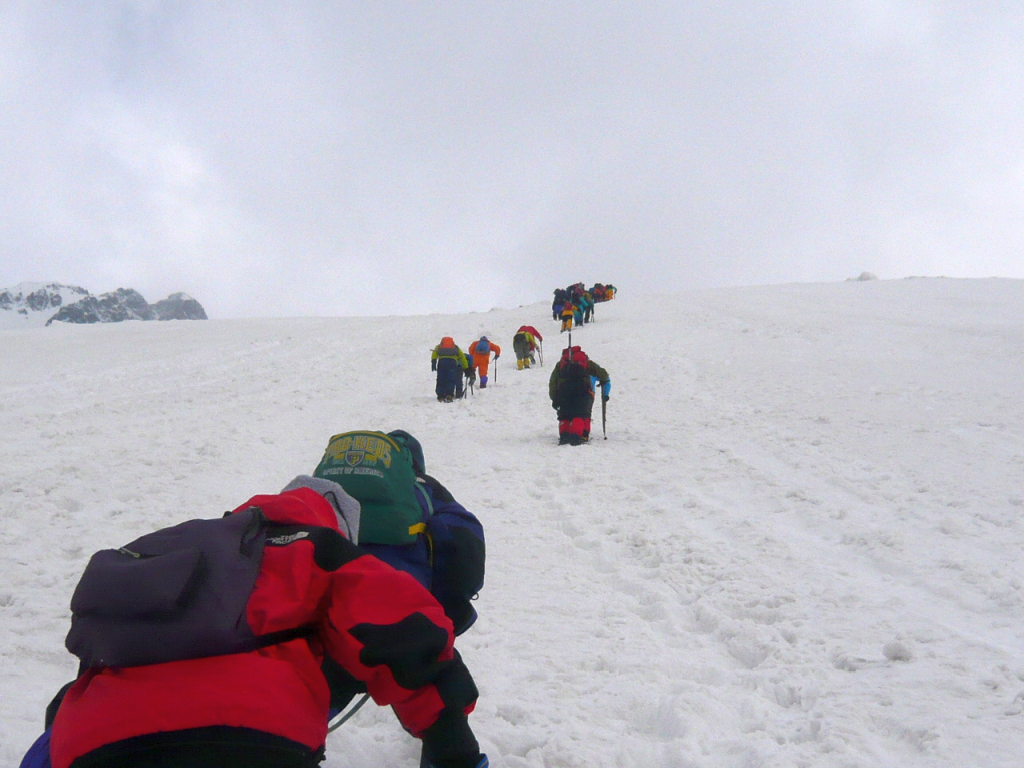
(284, 636)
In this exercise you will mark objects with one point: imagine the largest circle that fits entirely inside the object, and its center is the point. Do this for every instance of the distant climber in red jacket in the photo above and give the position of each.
(524, 343)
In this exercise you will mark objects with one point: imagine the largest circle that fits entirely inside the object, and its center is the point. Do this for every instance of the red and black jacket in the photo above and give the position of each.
(376, 622)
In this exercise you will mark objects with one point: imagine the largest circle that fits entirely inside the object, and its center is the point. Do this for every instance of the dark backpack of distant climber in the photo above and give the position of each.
(480, 352)
(451, 364)
(559, 301)
(524, 344)
(571, 389)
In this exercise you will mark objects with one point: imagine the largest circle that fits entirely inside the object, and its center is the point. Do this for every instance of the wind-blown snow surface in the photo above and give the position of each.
(799, 546)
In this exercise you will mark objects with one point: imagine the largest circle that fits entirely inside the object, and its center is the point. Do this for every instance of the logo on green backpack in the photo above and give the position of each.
(377, 471)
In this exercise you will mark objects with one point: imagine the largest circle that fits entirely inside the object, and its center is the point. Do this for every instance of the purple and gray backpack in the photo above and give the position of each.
(178, 593)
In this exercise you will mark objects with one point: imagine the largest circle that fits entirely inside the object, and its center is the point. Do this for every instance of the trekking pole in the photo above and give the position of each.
(341, 718)
(604, 416)
(495, 369)
(540, 348)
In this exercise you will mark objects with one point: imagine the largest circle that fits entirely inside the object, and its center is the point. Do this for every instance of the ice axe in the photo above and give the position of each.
(604, 416)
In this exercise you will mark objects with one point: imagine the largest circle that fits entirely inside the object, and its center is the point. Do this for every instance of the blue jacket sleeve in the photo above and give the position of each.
(606, 387)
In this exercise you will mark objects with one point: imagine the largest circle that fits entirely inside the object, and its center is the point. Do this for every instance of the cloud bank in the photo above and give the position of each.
(406, 157)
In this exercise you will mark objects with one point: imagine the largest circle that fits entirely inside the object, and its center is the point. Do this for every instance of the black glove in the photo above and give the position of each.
(433, 365)
(449, 742)
(604, 398)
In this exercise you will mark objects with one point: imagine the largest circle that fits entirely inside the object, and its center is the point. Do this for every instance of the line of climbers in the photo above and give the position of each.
(454, 368)
(573, 382)
(572, 386)
(356, 579)
(575, 304)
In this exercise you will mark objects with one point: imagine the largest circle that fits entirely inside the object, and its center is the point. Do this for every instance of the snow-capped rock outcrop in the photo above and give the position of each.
(179, 306)
(114, 307)
(31, 305)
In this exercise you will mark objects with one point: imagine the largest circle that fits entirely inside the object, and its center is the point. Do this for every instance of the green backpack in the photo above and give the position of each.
(377, 471)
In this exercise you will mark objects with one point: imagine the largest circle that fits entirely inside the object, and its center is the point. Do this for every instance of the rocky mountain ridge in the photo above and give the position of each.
(35, 304)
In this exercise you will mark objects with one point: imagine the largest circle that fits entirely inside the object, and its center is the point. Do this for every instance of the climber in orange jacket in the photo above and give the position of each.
(481, 350)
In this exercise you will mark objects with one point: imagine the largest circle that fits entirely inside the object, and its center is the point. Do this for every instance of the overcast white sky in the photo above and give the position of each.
(311, 158)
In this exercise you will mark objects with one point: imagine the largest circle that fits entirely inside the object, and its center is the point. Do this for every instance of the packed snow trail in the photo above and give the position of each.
(798, 547)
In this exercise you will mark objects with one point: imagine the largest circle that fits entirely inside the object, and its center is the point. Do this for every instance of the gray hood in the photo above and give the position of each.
(345, 507)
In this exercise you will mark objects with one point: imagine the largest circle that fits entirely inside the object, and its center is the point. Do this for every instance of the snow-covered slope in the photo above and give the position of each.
(799, 546)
